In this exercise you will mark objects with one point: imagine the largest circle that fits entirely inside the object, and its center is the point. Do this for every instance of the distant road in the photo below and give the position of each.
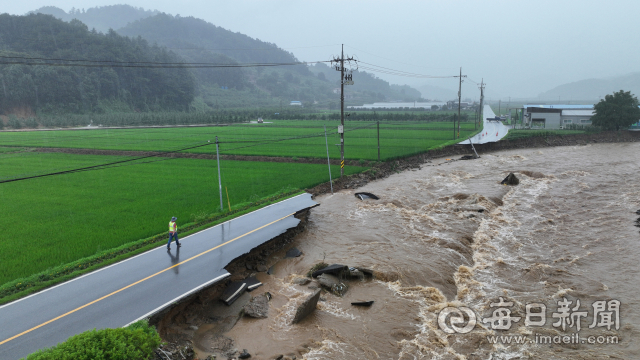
(138, 287)
(492, 131)
(116, 127)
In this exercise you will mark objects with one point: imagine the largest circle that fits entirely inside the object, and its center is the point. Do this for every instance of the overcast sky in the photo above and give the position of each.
(520, 48)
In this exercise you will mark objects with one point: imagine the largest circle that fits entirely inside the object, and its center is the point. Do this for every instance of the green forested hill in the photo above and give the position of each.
(199, 41)
(44, 88)
(156, 37)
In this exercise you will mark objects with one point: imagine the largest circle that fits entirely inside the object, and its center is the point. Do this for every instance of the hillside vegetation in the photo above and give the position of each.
(52, 89)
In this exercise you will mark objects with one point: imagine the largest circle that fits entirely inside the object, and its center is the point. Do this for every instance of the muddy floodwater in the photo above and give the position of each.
(450, 236)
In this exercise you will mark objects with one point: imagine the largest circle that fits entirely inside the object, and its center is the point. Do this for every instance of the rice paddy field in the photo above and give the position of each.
(280, 138)
(54, 220)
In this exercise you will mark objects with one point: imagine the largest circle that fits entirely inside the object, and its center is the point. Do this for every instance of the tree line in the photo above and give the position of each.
(203, 118)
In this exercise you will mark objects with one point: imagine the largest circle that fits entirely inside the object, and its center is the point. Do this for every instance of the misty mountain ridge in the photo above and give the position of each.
(198, 41)
(594, 89)
(101, 18)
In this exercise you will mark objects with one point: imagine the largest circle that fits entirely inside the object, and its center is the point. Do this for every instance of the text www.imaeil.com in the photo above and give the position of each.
(556, 339)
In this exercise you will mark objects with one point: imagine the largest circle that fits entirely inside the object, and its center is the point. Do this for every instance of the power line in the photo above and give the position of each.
(129, 161)
(291, 138)
(21, 60)
(98, 167)
(387, 70)
(394, 60)
(231, 49)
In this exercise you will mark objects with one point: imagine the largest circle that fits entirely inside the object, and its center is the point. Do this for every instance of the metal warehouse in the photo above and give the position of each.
(557, 116)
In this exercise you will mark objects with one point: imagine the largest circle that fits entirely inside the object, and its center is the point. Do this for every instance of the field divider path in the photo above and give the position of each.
(138, 287)
(183, 155)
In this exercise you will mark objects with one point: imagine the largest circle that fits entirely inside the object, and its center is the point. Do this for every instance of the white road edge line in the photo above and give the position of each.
(178, 298)
(241, 288)
(131, 258)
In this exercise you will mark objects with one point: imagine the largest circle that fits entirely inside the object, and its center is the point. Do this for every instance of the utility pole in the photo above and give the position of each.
(378, 124)
(459, 98)
(219, 180)
(344, 80)
(481, 100)
(342, 112)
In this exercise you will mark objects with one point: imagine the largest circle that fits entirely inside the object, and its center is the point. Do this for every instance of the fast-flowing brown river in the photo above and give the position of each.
(449, 236)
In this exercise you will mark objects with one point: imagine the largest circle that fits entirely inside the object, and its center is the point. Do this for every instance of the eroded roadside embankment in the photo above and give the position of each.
(177, 325)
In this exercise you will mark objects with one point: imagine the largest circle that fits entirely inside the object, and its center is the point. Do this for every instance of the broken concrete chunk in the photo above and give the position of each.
(355, 273)
(328, 280)
(252, 283)
(365, 271)
(258, 307)
(362, 303)
(307, 307)
(366, 195)
(335, 269)
(511, 179)
(233, 292)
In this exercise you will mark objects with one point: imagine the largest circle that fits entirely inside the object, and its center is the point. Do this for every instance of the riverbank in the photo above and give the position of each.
(383, 170)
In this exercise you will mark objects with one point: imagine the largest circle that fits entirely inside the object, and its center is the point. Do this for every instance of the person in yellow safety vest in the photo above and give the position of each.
(173, 233)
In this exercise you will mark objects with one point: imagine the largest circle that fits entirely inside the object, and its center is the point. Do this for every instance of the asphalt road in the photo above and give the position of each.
(138, 287)
(492, 131)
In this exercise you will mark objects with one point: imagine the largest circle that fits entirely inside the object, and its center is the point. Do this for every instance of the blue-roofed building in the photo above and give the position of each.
(295, 103)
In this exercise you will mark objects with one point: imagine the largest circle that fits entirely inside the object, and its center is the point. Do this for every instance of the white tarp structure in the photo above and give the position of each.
(492, 131)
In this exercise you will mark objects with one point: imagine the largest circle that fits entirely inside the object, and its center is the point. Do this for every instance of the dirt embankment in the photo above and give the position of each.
(385, 169)
(194, 156)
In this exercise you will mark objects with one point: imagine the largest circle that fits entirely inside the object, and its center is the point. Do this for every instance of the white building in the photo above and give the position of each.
(399, 105)
(557, 116)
